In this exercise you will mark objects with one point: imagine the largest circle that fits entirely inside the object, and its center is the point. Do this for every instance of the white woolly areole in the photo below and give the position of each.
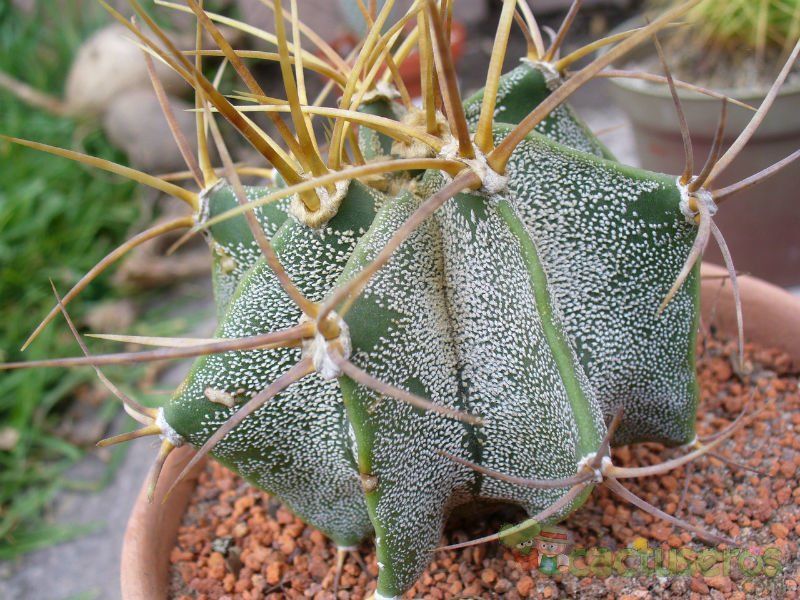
(203, 202)
(379, 596)
(328, 205)
(167, 432)
(383, 90)
(690, 444)
(449, 151)
(584, 464)
(319, 349)
(552, 77)
(700, 196)
(492, 183)
(347, 548)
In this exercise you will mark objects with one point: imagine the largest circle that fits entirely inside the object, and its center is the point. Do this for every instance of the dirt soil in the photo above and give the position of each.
(237, 542)
(744, 73)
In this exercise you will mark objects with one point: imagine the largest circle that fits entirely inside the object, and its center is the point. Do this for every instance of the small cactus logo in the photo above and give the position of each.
(543, 548)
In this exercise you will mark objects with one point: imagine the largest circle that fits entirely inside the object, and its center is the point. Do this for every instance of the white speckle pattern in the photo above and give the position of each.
(612, 240)
(297, 445)
(411, 349)
(465, 332)
(506, 369)
(233, 247)
(454, 317)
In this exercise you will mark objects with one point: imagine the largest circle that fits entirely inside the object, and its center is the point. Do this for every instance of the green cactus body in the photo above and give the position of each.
(612, 239)
(609, 283)
(233, 248)
(521, 90)
(296, 446)
(473, 333)
(374, 145)
(647, 365)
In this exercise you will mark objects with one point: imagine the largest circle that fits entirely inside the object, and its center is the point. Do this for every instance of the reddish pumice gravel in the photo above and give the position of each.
(237, 542)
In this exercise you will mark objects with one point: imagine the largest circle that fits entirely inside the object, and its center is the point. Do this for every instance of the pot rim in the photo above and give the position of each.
(153, 528)
(772, 319)
(748, 94)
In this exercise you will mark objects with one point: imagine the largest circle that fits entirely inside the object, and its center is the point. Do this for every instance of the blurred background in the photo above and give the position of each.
(71, 79)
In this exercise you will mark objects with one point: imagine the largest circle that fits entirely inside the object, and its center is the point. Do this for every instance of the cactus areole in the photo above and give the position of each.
(463, 303)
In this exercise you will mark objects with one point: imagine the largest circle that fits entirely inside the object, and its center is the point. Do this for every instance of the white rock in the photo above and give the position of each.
(135, 124)
(107, 65)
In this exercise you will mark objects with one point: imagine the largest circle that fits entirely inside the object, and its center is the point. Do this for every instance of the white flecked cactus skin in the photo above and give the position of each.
(449, 321)
(608, 239)
(233, 248)
(298, 442)
(505, 368)
(632, 237)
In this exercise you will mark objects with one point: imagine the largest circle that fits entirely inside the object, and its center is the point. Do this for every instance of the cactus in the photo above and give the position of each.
(739, 28)
(458, 310)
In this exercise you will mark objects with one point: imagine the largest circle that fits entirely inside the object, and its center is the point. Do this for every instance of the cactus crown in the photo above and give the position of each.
(468, 301)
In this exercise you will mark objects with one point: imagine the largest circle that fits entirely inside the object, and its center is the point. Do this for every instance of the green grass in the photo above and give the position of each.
(56, 220)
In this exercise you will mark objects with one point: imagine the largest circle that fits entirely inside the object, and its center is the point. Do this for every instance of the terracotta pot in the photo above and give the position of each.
(760, 224)
(771, 314)
(772, 319)
(152, 530)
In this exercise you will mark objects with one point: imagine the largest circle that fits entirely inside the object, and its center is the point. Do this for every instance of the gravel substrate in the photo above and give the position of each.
(237, 542)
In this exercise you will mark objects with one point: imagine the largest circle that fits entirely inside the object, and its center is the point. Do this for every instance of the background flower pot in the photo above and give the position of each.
(410, 68)
(761, 225)
(772, 319)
